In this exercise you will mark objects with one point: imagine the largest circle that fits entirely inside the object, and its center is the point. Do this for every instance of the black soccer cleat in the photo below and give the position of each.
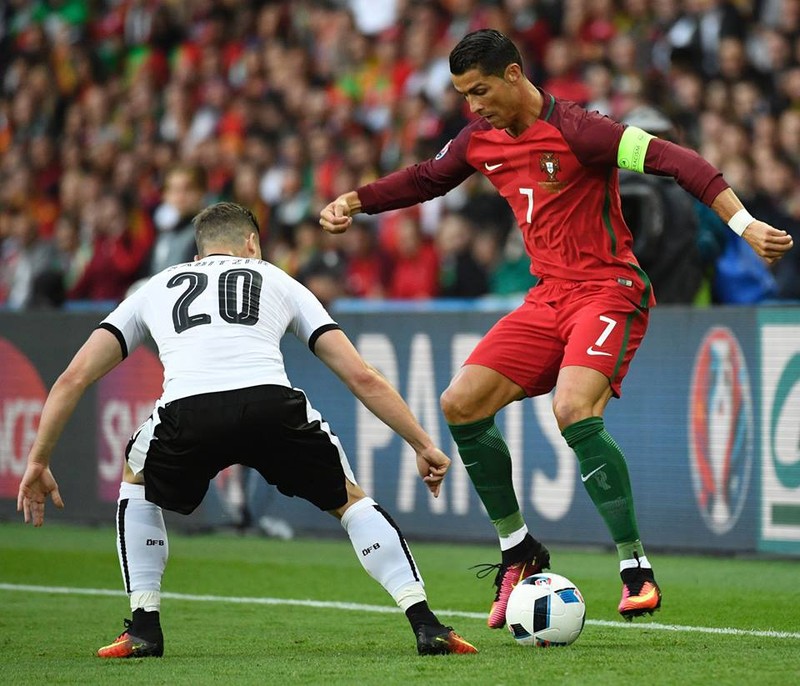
(441, 640)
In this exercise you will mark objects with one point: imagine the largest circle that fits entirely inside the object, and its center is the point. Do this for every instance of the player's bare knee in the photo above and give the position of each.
(454, 407)
(569, 409)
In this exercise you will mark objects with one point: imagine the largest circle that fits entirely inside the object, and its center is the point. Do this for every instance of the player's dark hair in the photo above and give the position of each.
(486, 50)
(223, 222)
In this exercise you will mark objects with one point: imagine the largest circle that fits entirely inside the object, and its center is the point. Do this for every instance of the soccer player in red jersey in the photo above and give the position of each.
(579, 327)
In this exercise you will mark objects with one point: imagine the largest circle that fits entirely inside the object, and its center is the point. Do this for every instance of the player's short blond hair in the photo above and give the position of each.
(224, 223)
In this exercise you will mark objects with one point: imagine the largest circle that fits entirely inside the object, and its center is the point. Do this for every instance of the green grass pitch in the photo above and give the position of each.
(231, 619)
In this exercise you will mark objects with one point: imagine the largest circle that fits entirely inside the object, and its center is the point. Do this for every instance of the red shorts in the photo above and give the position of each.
(561, 324)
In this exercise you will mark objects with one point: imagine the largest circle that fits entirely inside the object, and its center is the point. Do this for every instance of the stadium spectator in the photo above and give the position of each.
(73, 250)
(244, 191)
(26, 260)
(460, 274)
(414, 273)
(323, 269)
(599, 81)
(366, 265)
(184, 194)
(695, 36)
(562, 76)
(123, 235)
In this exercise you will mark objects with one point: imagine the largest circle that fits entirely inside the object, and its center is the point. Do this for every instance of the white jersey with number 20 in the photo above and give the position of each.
(218, 323)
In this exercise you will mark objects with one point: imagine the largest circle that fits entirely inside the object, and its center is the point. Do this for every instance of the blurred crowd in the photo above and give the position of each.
(120, 119)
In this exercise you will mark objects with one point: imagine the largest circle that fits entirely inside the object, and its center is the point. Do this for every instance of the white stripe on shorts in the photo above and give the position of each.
(314, 415)
(141, 444)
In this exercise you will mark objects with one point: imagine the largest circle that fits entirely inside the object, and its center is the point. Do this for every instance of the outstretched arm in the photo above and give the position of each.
(767, 241)
(642, 152)
(97, 357)
(382, 399)
(406, 187)
(705, 182)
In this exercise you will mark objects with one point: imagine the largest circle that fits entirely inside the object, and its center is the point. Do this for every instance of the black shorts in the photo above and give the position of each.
(273, 429)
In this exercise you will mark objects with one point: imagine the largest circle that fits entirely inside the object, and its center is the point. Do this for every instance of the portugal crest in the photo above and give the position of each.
(550, 165)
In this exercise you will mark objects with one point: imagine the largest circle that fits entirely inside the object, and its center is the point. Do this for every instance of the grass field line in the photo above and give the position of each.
(359, 607)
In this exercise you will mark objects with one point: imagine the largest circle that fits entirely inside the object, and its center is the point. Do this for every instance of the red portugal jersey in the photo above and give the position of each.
(560, 178)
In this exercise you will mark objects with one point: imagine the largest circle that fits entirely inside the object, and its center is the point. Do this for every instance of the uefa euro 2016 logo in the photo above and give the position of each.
(720, 430)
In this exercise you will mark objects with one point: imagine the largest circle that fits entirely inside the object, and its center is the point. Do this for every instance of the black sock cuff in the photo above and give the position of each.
(524, 550)
(145, 619)
(419, 614)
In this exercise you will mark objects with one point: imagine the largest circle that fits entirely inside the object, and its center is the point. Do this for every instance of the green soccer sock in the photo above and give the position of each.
(605, 476)
(488, 463)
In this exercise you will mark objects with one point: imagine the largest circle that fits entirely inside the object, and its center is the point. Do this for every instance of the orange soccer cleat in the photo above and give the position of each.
(127, 644)
(640, 593)
(441, 640)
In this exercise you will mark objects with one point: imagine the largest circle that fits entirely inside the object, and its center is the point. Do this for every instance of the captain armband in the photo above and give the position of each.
(633, 149)
(740, 221)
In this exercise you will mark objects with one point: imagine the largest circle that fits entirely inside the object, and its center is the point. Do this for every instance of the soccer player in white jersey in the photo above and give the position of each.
(218, 323)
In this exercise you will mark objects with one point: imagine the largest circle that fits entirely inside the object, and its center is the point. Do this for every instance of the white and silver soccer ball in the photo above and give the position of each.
(545, 610)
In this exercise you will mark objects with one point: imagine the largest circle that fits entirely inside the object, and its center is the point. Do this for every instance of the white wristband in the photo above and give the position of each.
(740, 221)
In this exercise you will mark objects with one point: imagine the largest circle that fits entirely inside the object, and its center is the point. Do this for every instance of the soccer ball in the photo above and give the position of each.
(545, 610)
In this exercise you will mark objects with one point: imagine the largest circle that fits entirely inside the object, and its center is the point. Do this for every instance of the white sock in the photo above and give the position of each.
(508, 542)
(142, 546)
(383, 552)
(633, 563)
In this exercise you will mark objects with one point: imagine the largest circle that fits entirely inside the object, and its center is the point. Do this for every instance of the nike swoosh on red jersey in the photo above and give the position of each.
(591, 351)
